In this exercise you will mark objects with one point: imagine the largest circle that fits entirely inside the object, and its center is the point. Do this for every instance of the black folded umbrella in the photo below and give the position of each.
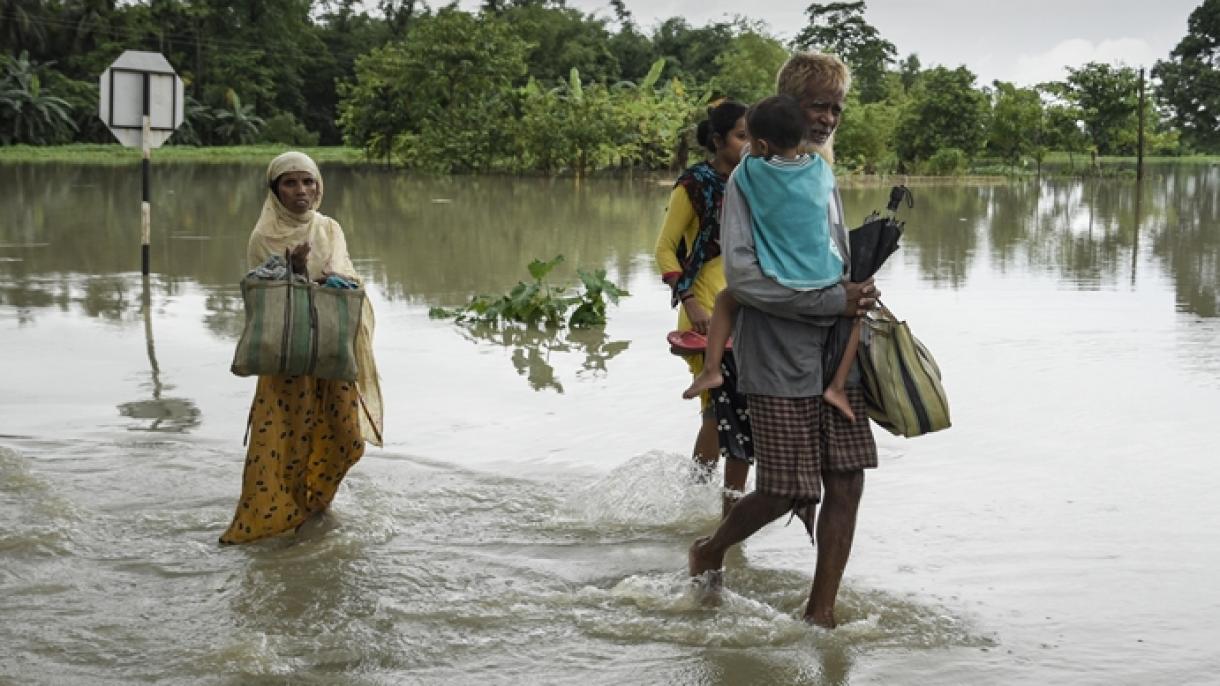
(877, 239)
(870, 244)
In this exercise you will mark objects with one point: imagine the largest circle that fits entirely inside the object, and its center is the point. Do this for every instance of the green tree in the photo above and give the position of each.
(909, 70)
(21, 25)
(653, 118)
(237, 123)
(633, 51)
(197, 122)
(691, 52)
(580, 127)
(621, 13)
(284, 129)
(398, 15)
(747, 66)
(840, 28)
(443, 99)
(346, 34)
(1016, 123)
(1065, 131)
(865, 138)
(945, 111)
(1108, 100)
(81, 97)
(1190, 79)
(563, 39)
(569, 127)
(28, 112)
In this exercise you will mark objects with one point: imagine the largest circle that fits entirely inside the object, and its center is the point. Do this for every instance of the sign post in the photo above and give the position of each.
(141, 102)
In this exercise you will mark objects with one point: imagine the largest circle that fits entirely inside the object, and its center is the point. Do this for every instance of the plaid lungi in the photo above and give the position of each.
(796, 439)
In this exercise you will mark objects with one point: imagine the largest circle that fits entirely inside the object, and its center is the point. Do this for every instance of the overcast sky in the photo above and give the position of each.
(1024, 41)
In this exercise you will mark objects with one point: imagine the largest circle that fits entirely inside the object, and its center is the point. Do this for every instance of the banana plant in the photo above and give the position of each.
(29, 114)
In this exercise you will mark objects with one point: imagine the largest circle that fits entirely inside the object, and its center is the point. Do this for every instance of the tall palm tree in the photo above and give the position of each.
(238, 124)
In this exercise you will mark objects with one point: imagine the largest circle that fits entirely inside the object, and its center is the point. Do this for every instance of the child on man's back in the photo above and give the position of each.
(789, 194)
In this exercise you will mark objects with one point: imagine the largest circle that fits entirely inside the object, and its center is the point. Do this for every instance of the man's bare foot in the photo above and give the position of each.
(707, 380)
(837, 398)
(705, 573)
(700, 560)
(827, 622)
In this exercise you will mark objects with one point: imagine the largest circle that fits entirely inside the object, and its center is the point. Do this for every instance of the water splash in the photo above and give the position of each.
(668, 608)
(41, 522)
(654, 490)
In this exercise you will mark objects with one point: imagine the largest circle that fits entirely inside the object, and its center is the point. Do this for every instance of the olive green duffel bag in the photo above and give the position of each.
(901, 380)
(295, 328)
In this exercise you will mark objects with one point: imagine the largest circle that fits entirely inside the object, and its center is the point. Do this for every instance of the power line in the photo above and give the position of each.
(187, 38)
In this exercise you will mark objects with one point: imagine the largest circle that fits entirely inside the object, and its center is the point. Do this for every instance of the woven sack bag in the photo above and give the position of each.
(902, 382)
(298, 329)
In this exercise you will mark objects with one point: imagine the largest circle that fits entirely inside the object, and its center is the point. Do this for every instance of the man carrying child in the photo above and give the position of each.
(806, 451)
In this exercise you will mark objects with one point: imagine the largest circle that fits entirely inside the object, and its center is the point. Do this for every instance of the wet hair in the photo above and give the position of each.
(804, 70)
(777, 120)
(721, 119)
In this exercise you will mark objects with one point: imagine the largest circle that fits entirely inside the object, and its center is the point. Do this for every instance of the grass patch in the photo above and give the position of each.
(1082, 159)
(114, 154)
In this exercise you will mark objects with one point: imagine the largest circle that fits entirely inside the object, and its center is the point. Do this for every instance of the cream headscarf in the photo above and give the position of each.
(279, 229)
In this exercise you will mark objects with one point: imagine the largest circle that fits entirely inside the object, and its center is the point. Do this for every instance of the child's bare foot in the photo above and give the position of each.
(707, 380)
(837, 398)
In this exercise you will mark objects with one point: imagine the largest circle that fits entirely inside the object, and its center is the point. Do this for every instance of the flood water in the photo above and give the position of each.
(528, 518)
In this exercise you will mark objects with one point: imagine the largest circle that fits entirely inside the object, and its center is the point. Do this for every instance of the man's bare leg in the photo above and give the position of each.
(836, 528)
(751, 513)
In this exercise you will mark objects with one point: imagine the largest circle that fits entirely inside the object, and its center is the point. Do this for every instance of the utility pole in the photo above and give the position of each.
(1139, 160)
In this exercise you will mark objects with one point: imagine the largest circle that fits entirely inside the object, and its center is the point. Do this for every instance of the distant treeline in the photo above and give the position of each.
(532, 85)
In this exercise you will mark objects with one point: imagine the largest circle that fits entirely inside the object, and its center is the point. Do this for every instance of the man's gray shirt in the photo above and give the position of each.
(780, 332)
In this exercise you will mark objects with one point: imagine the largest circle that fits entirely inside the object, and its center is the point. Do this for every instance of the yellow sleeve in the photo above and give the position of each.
(679, 217)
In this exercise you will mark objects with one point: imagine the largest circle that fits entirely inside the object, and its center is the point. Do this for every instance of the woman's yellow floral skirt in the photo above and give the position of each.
(304, 436)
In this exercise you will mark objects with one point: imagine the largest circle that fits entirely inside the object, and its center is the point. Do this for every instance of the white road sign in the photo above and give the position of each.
(136, 83)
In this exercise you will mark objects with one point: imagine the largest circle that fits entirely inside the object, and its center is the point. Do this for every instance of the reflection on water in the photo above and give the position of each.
(1189, 239)
(162, 414)
(69, 236)
(532, 348)
(62, 220)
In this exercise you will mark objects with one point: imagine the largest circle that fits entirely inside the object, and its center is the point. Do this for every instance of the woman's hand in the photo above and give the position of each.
(699, 317)
(861, 297)
(299, 259)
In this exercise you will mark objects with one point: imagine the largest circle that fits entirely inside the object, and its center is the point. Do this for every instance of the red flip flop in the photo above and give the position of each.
(689, 342)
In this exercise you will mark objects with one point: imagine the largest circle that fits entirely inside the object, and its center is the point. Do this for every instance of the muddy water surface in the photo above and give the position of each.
(528, 517)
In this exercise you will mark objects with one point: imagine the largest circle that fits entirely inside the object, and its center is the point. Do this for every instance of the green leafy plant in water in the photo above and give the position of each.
(540, 302)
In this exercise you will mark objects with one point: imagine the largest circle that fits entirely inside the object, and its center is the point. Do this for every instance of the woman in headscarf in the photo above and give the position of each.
(688, 257)
(304, 433)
